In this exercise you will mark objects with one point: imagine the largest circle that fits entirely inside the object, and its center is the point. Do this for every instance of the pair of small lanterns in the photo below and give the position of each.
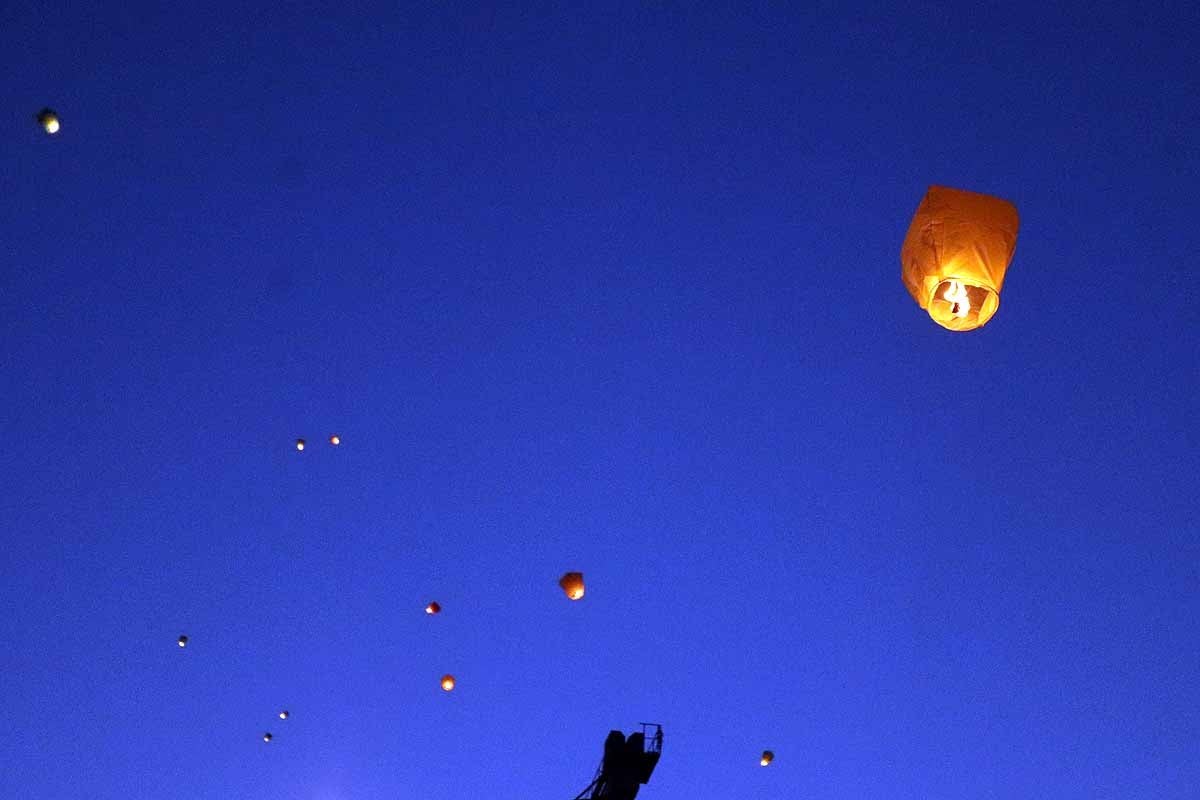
(268, 736)
(334, 440)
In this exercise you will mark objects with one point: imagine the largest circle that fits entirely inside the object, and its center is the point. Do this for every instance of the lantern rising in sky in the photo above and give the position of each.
(447, 682)
(183, 640)
(284, 714)
(767, 758)
(955, 255)
(49, 121)
(335, 440)
(267, 737)
(572, 584)
(299, 444)
(433, 608)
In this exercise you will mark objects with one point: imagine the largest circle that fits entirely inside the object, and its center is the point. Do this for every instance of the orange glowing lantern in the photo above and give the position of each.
(299, 444)
(183, 640)
(433, 608)
(572, 584)
(954, 257)
(335, 440)
(767, 758)
(267, 737)
(284, 714)
(447, 682)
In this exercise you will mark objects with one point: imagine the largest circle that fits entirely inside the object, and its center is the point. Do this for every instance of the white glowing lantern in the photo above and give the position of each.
(49, 121)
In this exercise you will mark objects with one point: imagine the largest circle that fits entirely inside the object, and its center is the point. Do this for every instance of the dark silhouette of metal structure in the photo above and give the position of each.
(626, 765)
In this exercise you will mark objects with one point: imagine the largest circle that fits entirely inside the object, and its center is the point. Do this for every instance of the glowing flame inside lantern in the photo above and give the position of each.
(956, 295)
(432, 608)
(447, 682)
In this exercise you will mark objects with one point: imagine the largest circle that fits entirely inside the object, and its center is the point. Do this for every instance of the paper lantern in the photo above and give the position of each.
(284, 714)
(335, 440)
(955, 255)
(447, 682)
(767, 758)
(49, 121)
(433, 608)
(183, 640)
(267, 737)
(572, 584)
(299, 444)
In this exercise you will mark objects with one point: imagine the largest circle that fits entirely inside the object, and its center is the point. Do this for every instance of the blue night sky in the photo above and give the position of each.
(613, 290)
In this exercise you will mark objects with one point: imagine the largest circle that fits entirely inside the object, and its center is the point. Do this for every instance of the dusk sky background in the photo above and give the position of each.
(615, 289)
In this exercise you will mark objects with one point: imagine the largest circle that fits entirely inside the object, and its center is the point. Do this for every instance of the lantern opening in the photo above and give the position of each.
(959, 305)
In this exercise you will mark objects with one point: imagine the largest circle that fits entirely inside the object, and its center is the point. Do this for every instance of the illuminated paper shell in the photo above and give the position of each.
(955, 255)
(572, 584)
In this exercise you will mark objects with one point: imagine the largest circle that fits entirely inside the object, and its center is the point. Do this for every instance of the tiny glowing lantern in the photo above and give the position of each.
(572, 584)
(954, 257)
(283, 714)
(335, 440)
(767, 758)
(267, 737)
(433, 608)
(183, 640)
(299, 444)
(447, 682)
(49, 121)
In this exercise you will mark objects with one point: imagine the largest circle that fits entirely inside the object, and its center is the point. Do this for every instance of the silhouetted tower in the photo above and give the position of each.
(627, 764)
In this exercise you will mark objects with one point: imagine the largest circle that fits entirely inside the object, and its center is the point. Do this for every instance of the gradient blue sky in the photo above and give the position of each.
(615, 290)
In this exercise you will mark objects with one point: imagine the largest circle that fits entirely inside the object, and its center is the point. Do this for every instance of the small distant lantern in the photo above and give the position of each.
(183, 640)
(299, 444)
(267, 737)
(954, 257)
(572, 584)
(767, 758)
(433, 608)
(283, 714)
(447, 682)
(48, 120)
(335, 440)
